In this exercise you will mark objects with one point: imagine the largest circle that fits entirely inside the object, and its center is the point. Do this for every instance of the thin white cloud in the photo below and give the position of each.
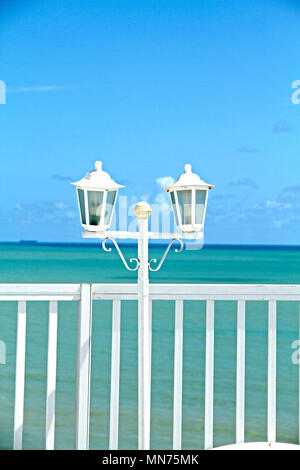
(277, 205)
(39, 89)
(165, 181)
(43, 212)
(60, 205)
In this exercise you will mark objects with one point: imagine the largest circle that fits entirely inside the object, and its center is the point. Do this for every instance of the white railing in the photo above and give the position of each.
(51, 293)
(85, 294)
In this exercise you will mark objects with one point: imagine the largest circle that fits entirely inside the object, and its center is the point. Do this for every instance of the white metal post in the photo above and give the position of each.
(51, 375)
(115, 376)
(143, 211)
(240, 373)
(20, 376)
(178, 359)
(272, 371)
(83, 368)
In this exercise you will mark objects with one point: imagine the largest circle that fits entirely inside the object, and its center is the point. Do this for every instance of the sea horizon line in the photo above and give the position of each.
(156, 243)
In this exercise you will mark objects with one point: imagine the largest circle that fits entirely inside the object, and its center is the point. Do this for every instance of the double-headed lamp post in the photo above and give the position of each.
(97, 193)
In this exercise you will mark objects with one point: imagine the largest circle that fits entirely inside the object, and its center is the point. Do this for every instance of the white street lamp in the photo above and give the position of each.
(189, 200)
(97, 195)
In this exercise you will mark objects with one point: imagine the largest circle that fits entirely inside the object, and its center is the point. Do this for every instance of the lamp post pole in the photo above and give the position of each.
(142, 212)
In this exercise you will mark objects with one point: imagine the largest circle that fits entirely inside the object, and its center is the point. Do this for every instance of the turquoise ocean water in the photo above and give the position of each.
(67, 264)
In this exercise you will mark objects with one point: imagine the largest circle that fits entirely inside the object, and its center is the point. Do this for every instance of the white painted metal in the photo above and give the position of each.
(20, 376)
(150, 341)
(136, 235)
(272, 372)
(135, 261)
(177, 235)
(140, 292)
(259, 446)
(209, 376)
(115, 376)
(199, 291)
(176, 211)
(97, 180)
(86, 209)
(189, 181)
(51, 375)
(70, 292)
(119, 234)
(83, 369)
(299, 379)
(143, 211)
(224, 292)
(103, 208)
(39, 292)
(194, 207)
(78, 204)
(115, 291)
(157, 267)
(240, 373)
(178, 359)
(115, 297)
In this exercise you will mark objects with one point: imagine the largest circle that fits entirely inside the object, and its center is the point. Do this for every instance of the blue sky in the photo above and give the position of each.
(147, 86)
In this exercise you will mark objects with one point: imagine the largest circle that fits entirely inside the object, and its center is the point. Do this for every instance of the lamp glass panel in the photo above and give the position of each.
(185, 205)
(81, 205)
(172, 196)
(95, 199)
(110, 202)
(200, 205)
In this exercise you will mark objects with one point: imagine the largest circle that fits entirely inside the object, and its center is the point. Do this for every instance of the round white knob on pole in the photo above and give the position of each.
(142, 210)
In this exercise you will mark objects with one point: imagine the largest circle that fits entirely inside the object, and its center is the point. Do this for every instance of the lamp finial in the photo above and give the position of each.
(98, 166)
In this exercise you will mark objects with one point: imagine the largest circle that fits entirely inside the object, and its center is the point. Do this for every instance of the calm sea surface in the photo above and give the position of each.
(67, 264)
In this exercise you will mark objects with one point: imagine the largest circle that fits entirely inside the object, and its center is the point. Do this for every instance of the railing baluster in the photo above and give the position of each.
(209, 376)
(240, 373)
(20, 376)
(299, 382)
(83, 369)
(115, 376)
(150, 340)
(272, 371)
(299, 376)
(178, 353)
(51, 375)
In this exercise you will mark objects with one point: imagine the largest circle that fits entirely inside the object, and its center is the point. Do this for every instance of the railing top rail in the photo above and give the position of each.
(39, 292)
(157, 291)
(225, 291)
(114, 291)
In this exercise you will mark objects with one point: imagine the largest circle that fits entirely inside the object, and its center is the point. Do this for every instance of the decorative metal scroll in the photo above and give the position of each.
(132, 260)
(154, 260)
